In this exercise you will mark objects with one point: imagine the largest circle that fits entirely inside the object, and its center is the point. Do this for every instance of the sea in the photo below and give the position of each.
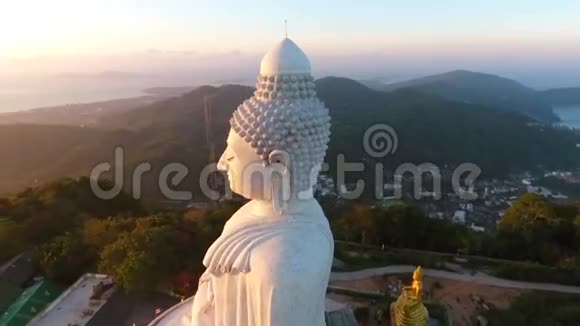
(18, 97)
(570, 115)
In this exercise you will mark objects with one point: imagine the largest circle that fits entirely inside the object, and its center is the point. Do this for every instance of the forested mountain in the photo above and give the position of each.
(483, 89)
(169, 91)
(429, 128)
(563, 96)
(433, 129)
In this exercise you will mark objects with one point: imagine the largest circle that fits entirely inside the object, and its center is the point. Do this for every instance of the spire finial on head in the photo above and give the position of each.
(286, 27)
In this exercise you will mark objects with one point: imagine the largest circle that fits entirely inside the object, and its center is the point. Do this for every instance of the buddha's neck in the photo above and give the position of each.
(294, 207)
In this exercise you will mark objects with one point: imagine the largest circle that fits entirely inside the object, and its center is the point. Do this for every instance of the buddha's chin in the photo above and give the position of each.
(251, 194)
(234, 189)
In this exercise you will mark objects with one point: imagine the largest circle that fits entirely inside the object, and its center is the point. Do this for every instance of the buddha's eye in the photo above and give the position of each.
(230, 158)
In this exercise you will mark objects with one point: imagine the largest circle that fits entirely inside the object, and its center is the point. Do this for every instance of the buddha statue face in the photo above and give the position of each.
(237, 155)
(252, 176)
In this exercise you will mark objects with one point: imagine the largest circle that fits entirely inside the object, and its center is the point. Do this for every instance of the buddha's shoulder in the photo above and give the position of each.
(296, 243)
(292, 258)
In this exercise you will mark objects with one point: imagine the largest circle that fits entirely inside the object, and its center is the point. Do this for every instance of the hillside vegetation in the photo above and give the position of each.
(429, 129)
(482, 89)
(72, 232)
(563, 96)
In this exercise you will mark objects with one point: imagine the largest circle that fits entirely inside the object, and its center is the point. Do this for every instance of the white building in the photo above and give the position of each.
(459, 216)
(559, 196)
(467, 206)
(79, 303)
(527, 182)
(539, 191)
(477, 228)
(436, 215)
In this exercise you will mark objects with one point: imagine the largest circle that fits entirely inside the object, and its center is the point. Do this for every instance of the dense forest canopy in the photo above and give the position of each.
(72, 232)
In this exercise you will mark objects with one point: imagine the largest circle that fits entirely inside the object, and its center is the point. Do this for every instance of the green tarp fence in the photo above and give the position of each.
(30, 303)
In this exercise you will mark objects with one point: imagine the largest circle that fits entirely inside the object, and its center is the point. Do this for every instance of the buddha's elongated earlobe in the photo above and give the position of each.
(278, 203)
(279, 165)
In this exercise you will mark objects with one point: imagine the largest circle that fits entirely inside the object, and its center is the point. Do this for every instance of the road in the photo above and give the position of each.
(4, 266)
(479, 278)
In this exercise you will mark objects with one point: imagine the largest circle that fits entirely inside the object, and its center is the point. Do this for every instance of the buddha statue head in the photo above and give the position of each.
(279, 136)
(418, 274)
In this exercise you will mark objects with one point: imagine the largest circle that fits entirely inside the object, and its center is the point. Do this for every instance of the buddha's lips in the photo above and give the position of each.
(229, 177)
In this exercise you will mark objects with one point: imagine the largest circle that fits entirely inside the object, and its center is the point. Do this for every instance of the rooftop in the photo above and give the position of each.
(75, 306)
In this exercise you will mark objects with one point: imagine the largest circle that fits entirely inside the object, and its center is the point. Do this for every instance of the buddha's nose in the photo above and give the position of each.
(222, 163)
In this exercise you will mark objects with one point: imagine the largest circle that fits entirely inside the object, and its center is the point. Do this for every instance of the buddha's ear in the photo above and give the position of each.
(279, 157)
(279, 161)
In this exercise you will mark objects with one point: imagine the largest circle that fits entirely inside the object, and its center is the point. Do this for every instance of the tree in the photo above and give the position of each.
(4, 206)
(535, 229)
(11, 238)
(359, 223)
(538, 308)
(207, 223)
(65, 258)
(97, 233)
(528, 212)
(577, 232)
(403, 226)
(140, 259)
(41, 213)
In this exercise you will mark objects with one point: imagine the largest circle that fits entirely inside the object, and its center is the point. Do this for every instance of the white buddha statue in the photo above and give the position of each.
(271, 264)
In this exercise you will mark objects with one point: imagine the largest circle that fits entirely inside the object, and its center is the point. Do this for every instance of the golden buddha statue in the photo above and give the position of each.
(409, 310)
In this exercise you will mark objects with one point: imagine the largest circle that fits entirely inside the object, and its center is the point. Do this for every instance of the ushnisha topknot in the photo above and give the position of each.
(294, 121)
(285, 114)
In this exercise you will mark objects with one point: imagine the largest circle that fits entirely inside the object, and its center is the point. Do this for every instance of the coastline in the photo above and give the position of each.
(569, 115)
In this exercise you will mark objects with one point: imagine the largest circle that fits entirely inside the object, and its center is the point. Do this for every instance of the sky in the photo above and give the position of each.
(537, 42)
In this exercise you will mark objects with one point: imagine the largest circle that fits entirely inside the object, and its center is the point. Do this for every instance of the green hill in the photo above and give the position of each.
(563, 96)
(482, 89)
(433, 129)
(430, 128)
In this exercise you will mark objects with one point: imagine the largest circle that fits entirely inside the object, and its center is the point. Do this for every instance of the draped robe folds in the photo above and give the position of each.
(267, 271)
